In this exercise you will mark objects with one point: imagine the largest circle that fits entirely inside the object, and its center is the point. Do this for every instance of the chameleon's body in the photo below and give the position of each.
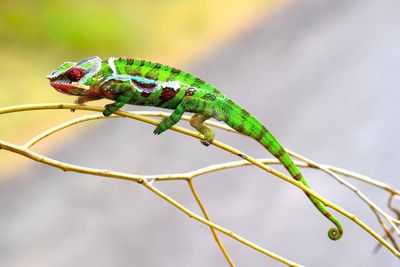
(139, 82)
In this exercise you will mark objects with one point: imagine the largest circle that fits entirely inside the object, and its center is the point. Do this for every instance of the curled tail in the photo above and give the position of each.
(245, 123)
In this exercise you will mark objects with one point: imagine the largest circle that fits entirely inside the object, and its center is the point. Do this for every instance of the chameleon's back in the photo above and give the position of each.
(149, 74)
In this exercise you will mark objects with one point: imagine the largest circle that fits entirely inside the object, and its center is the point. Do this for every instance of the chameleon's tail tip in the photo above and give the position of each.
(335, 234)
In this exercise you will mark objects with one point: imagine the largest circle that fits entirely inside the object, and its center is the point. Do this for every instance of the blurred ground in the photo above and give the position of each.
(324, 77)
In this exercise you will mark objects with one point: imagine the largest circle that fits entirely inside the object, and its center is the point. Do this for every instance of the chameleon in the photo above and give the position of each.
(140, 82)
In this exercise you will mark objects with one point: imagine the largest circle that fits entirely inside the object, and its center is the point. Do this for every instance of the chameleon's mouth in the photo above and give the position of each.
(61, 85)
(67, 87)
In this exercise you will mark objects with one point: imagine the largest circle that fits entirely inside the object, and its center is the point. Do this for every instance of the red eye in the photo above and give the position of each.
(74, 74)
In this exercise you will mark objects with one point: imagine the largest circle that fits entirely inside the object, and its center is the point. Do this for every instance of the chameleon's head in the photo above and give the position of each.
(75, 78)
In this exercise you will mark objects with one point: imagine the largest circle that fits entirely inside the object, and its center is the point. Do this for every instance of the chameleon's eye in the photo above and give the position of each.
(74, 74)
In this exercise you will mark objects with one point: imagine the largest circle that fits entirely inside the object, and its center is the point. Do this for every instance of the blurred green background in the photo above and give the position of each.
(37, 36)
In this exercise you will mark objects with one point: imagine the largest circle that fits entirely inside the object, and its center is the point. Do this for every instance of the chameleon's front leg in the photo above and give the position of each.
(168, 122)
(121, 100)
(81, 100)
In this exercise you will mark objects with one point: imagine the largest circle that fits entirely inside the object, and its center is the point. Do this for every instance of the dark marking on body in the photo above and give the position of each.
(297, 176)
(260, 136)
(153, 73)
(198, 82)
(167, 94)
(226, 116)
(144, 85)
(245, 112)
(173, 73)
(135, 72)
(210, 97)
(240, 128)
(142, 63)
(190, 92)
(215, 114)
(280, 153)
(145, 94)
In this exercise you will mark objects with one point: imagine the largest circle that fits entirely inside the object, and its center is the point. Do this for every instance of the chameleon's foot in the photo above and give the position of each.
(109, 109)
(73, 109)
(164, 125)
(208, 138)
(197, 121)
(106, 111)
(80, 101)
(76, 102)
(205, 142)
(157, 131)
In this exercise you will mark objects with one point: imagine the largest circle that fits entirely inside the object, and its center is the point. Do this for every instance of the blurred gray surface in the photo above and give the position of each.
(323, 75)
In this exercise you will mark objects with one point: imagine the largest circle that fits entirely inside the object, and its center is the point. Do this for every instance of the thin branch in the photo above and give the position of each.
(214, 233)
(63, 126)
(387, 231)
(392, 221)
(390, 205)
(363, 178)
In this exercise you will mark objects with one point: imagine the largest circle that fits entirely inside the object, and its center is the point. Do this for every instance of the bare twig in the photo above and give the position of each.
(205, 213)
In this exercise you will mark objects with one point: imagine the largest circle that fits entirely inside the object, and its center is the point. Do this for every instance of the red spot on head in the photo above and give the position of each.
(74, 74)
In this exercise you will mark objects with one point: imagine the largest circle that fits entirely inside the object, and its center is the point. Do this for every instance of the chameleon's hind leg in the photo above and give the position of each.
(121, 100)
(191, 104)
(197, 121)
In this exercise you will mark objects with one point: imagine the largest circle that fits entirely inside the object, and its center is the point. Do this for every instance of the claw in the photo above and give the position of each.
(157, 131)
(206, 142)
(107, 113)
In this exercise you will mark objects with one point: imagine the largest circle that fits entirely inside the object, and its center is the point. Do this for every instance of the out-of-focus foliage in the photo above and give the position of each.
(120, 27)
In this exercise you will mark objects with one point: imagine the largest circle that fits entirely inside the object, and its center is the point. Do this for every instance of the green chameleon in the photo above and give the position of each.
(139, 82)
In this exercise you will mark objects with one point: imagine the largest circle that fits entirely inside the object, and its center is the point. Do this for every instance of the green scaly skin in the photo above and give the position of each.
(139, 82)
